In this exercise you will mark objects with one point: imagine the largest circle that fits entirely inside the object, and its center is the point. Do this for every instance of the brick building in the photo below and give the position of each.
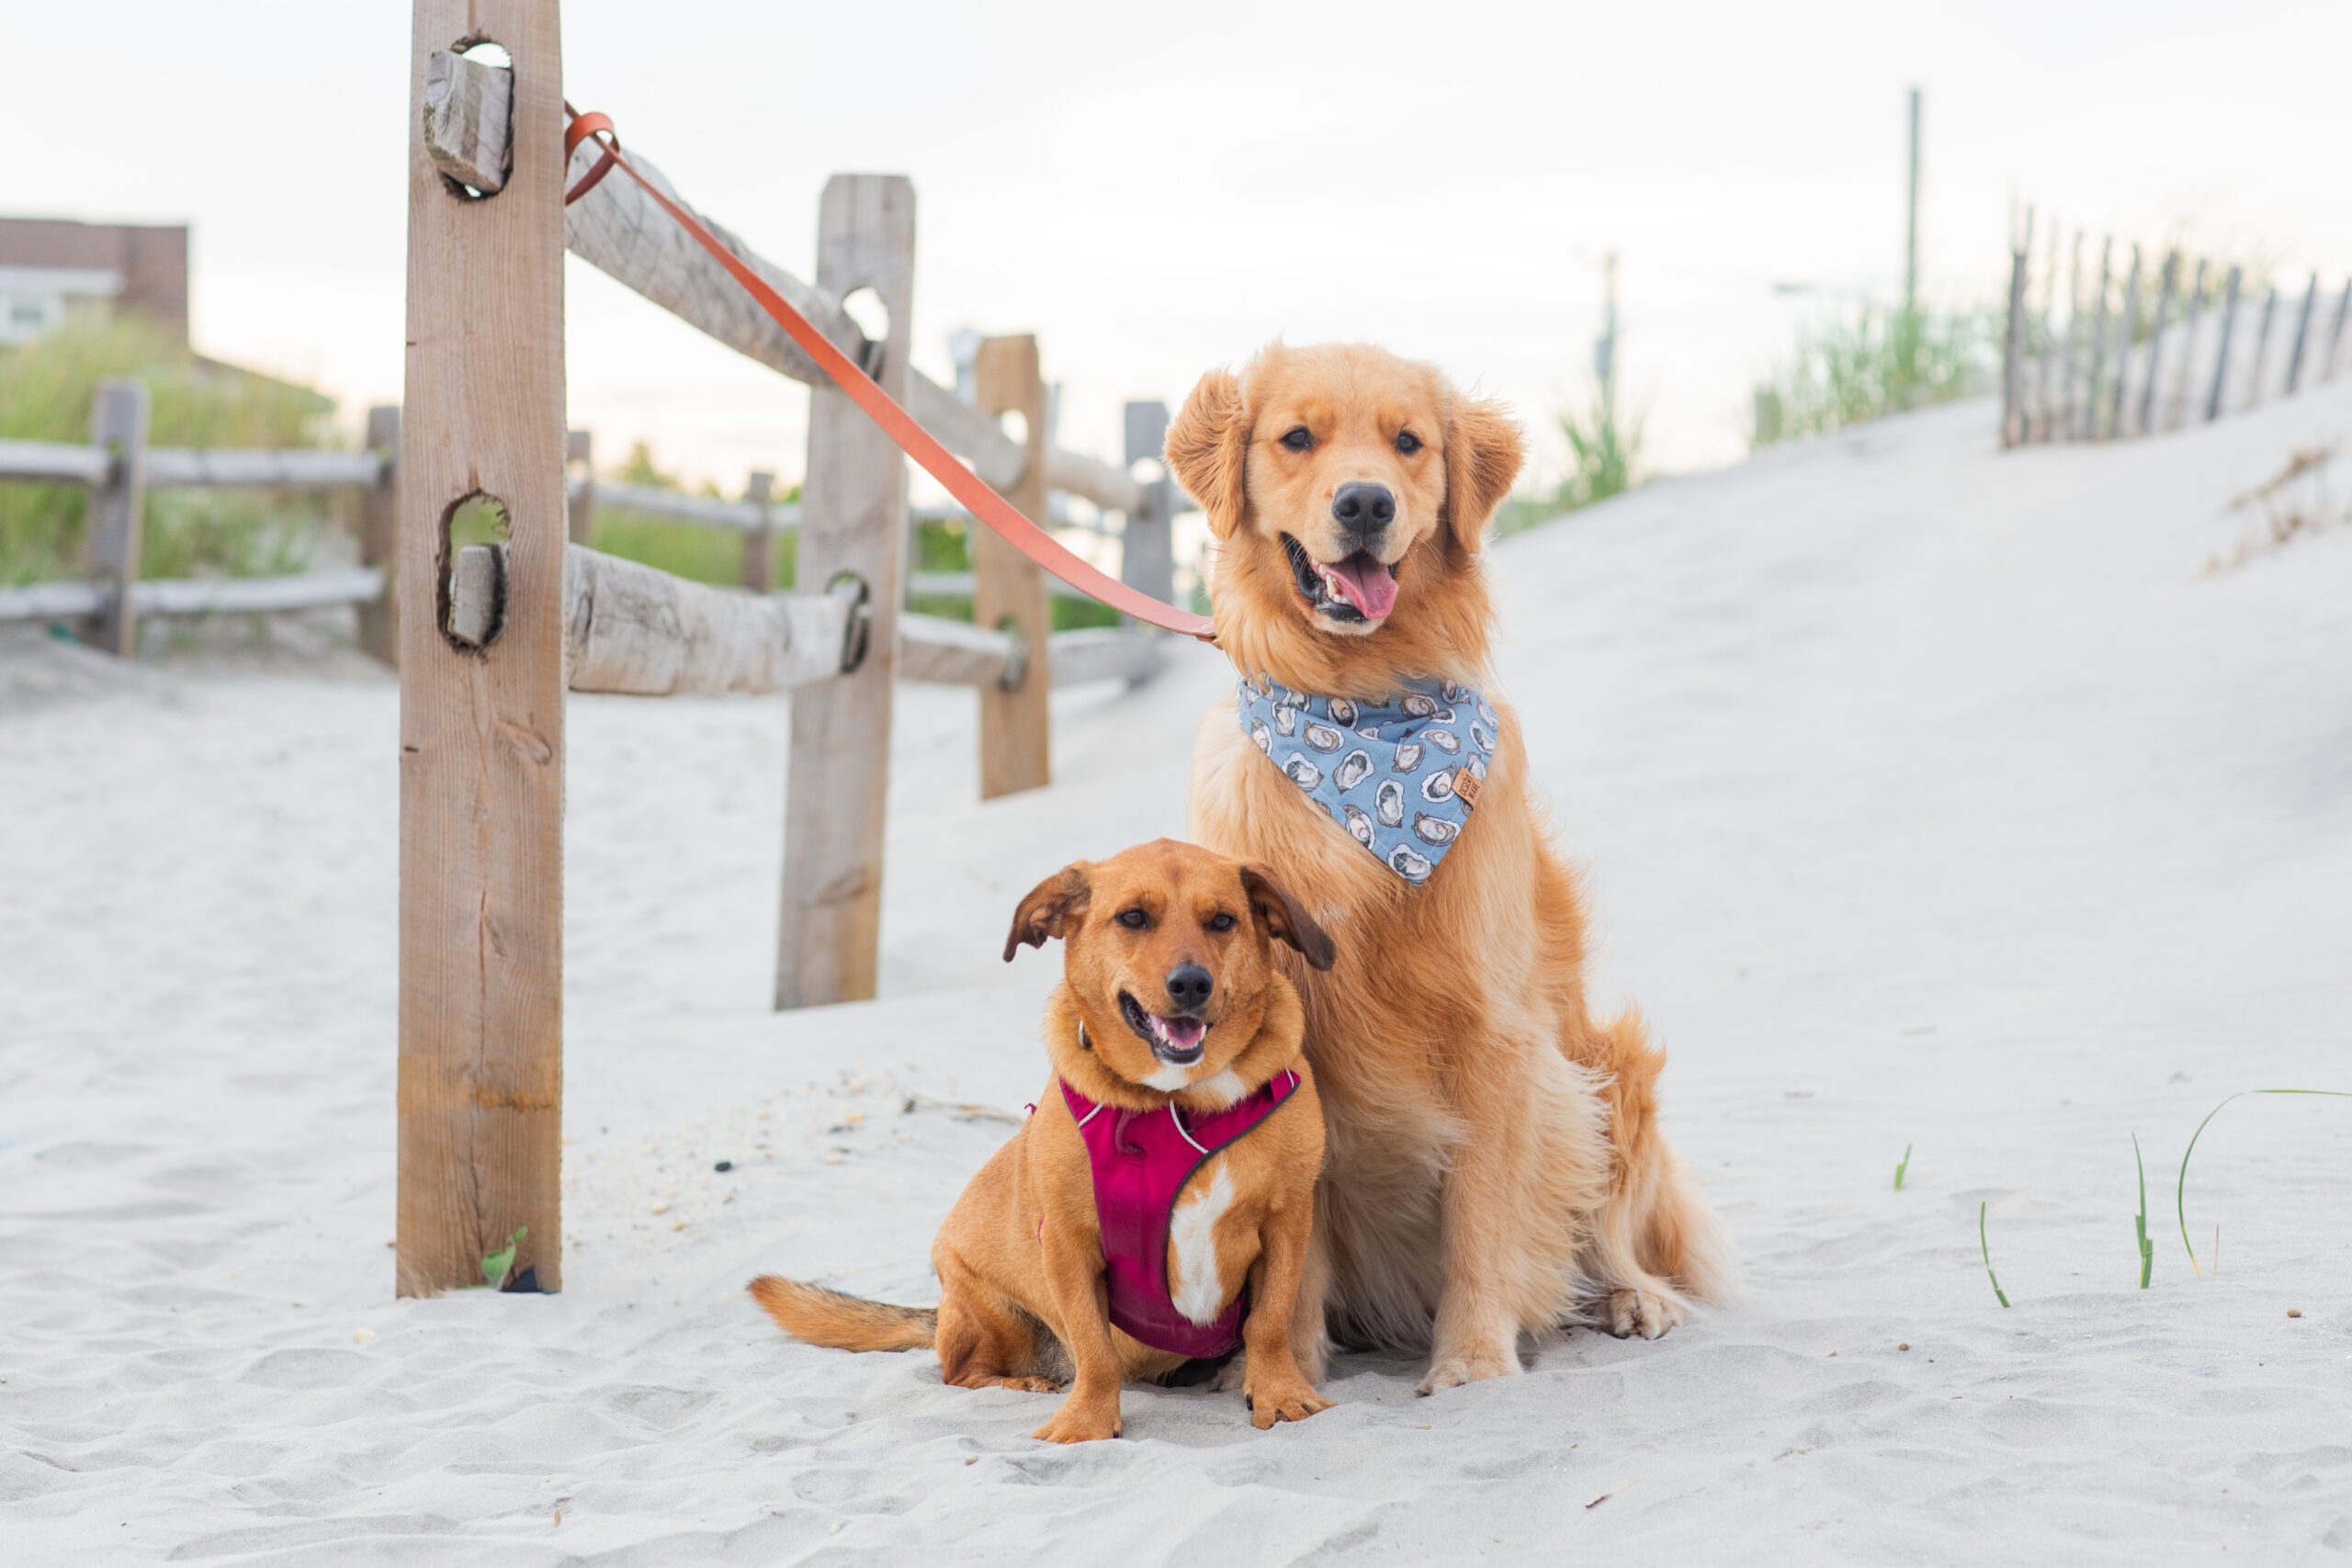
(53, 270)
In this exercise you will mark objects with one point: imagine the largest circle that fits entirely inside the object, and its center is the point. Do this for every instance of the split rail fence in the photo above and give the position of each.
(2157, 344)
(511, 625)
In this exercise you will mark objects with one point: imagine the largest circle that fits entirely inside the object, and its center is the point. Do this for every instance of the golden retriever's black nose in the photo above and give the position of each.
(1364, 509)
(1189, 986)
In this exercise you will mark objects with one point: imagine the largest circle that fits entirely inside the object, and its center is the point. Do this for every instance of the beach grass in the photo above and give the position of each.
(2147, 1247)
(1869, 362)
(1985, 1246)
(496, 1265)
(45, 394)
(2180, 1192)
(1902, 1165)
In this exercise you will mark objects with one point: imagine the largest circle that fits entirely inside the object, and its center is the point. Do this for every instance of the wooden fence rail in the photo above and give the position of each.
(2175, 341)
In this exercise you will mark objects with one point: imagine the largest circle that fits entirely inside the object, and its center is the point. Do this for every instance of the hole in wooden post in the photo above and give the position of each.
(469, 118)
(471, 590)
(872, 317)
(1015, 426)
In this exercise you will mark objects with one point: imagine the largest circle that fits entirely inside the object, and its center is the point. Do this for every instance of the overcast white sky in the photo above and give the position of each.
(1157, 189)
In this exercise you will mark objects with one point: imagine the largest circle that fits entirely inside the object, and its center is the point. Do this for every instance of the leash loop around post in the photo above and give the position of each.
(1000, 515)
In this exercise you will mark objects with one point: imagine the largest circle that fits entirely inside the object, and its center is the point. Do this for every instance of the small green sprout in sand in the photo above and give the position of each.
(1901, 1166)
(1986, 1248)
(2147, 1247)
(2180, 1194)
(495, 1264)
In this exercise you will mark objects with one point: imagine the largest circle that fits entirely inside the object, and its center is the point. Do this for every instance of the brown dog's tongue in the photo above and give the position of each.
(1365, 583)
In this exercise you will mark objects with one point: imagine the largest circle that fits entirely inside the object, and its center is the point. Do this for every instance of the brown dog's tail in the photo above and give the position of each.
(816, 1315)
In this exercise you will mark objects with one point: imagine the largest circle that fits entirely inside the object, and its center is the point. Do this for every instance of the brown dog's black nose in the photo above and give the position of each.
(1364, 509)
(1189, 986)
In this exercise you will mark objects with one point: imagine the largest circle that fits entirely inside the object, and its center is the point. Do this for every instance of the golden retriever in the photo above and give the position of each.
(1495, 1165)
(1171, 1006)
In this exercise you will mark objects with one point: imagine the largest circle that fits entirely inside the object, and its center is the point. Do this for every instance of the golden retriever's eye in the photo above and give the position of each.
(1134, 919)
(1408, 442)
(1220, 921)
(1298, 439)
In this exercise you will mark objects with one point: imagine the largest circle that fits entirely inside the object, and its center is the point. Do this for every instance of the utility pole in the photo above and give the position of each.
(1911, 219)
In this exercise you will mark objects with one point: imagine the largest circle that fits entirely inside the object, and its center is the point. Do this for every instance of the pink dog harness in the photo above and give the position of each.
(1141, 1161)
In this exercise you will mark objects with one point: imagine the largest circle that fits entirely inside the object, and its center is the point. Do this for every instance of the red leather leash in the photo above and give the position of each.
(1000, 515)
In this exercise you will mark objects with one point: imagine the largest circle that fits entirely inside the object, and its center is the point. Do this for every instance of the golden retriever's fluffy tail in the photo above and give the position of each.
(1656, 1221)
(818, 1316)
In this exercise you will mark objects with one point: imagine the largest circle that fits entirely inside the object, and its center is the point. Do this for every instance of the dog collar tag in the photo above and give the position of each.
(1399, 776)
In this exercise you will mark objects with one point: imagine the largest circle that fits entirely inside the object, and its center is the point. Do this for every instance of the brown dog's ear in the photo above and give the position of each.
(1208, 450)
(1482, 458)
(1284, 918)
(1049, 907)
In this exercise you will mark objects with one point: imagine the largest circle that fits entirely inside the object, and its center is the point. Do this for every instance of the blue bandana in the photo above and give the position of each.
(1399, 776)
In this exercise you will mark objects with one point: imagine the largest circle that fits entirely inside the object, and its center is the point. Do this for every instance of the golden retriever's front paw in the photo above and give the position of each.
(1296, 1403)
(1642, 1313)
(1075, 1424)
(1453, 1372)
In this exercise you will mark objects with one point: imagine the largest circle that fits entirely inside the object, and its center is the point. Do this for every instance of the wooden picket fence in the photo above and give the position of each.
(2154, 344)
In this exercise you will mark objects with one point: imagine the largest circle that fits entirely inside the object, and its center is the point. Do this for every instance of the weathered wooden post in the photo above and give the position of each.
(482, 729)
(579, 487)
(2222, 351)
(759, 544)
(1009, 588)
(1147, 551)
(2262, 349)
(2302, 333)
(2013, 354)
(2156, 343)
(2087, 418)
(380, 538)
(115, 521)
(852, 508)
(2116, 428)
(2336, 332)
(2188, 324)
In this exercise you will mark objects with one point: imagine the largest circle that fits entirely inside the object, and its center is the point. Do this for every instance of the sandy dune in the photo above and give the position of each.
(1930, 797)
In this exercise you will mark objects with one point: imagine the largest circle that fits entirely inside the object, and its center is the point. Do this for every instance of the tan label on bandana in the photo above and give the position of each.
(1465, 786)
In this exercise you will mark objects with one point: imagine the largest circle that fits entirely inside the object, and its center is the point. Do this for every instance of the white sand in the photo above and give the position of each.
(1930, 796)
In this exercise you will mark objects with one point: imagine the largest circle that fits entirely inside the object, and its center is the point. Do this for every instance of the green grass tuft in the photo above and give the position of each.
(495, 1266)
(1901, 1166)
(45, 393)
(2147, 1247)
(2180, 1192)
(1853, 367)
(1986, 1247)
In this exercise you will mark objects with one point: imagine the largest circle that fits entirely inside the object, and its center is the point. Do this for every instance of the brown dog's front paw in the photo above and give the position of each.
(1072, 1424)
(1293, 1402)
(1642, 1312)
(1030, 1385)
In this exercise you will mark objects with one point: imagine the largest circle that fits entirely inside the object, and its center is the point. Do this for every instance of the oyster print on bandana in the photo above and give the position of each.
(1360, 762)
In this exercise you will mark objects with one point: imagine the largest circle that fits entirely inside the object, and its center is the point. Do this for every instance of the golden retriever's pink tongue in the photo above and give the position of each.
(1365, 583)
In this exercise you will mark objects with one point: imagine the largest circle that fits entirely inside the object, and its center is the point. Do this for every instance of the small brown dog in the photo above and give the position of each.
(1131, 1200)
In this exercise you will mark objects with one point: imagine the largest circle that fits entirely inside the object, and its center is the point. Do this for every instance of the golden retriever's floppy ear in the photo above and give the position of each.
(1049, 907)
(1283, 917)
(1482, 458)
(1208, 448)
